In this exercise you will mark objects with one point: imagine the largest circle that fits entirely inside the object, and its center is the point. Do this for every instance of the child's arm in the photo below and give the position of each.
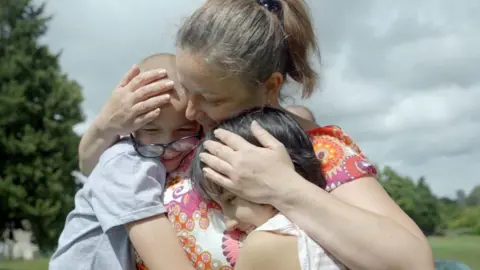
(127, 193)
(268, 251)
(157, 244)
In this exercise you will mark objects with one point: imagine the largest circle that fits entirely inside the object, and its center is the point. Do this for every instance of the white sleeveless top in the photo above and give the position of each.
(311, 255)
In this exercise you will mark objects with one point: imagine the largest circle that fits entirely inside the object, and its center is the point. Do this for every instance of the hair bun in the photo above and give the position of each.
(271, 5)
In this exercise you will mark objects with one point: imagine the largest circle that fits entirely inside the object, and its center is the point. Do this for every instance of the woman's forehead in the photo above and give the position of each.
(198, 77)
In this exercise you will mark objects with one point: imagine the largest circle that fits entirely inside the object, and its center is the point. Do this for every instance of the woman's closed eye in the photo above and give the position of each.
(213, 101)
(230, 199)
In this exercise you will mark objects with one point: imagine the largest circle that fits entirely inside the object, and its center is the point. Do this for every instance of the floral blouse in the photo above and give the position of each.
(199, 223)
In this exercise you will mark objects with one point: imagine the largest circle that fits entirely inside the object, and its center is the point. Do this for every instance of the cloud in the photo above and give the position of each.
(401, 77)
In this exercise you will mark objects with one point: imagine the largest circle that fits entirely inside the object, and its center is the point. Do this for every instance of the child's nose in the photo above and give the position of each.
(230, 223)
(170, 153)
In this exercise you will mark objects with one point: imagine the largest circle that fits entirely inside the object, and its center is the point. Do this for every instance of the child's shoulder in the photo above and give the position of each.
(262, 249)
(123, 153)
(123, 147)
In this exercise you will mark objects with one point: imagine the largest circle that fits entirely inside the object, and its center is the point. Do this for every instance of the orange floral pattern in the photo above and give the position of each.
(199, 223)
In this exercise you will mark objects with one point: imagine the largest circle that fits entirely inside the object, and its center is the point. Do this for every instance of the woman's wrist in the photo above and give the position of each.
(103, 130)
(289, 192)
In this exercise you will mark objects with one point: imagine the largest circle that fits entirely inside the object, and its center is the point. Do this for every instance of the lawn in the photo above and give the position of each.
(40, 264)
(465, 249)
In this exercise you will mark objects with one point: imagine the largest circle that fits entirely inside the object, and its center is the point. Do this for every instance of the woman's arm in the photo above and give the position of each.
(268, 251)
(357, 216)
(134, 102)
(92, 144)
(358, 223)
(157, 245)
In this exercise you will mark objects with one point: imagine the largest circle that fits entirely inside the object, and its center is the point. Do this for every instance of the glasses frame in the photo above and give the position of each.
(164, 146)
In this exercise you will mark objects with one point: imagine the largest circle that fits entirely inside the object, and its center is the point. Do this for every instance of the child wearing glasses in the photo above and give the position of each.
(120, 207)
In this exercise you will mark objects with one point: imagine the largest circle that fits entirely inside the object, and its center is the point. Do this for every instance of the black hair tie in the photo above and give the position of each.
(271, 5)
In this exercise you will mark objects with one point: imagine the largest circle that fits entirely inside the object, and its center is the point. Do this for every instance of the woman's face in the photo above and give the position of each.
(213, 98)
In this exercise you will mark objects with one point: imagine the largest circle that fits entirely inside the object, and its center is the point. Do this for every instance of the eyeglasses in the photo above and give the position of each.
(184, 144)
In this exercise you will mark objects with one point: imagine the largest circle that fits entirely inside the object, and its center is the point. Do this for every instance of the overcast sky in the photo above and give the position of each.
(401, 77)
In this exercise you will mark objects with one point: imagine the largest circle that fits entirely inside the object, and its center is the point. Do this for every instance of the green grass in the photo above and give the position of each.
(464, 249)
(40, 264)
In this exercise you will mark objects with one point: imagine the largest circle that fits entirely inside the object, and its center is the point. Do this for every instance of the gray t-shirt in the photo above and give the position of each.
(124, 187)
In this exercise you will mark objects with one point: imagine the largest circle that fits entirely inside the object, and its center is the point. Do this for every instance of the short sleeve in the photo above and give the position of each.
(342, 160)
(126, 187)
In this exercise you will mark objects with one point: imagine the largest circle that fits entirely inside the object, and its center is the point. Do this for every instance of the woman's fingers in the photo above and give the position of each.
(145, 78)
(150, 104)
(219, 150)
(145, 118)
(216, 164)
(218, 178)
(264, 138)
(152, 89)
(134, 71)
(231, 139)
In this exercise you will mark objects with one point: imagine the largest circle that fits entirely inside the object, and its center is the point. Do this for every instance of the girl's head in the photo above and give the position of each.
(241, 213)
(235, 54)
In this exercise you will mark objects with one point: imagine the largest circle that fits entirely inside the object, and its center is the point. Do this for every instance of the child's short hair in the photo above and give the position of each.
(280, 125)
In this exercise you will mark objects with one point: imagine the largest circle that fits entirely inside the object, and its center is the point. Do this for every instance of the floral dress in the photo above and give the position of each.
(199, 223)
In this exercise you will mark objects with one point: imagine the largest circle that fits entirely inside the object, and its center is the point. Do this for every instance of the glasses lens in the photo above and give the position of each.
(185, 145)
(151, 150)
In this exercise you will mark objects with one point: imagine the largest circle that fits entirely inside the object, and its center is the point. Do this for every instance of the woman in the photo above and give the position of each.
(236, 54)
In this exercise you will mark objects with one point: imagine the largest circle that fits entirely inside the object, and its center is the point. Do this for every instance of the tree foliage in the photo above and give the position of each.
(433, 215)
(39, 105)
(416, 199)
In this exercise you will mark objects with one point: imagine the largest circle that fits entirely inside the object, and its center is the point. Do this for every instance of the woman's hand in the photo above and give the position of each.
(254, 173)
(135, 102)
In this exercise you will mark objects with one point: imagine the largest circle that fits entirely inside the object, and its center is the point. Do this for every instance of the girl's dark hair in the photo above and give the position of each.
(280, 125)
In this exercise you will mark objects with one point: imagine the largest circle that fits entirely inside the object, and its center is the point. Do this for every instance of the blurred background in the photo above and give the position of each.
(401, 77)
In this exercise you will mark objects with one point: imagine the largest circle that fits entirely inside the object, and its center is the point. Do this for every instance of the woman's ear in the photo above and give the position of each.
(272, 86)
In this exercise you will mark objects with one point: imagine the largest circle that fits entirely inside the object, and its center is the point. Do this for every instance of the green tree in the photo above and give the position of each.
(39, 105)
(467, 220)
(473, 198)
(416, 200)
(427, 208)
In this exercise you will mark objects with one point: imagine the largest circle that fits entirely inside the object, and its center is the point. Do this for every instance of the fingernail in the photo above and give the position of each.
(162, 71)
(169, 83)
(167, 97)
(205, 144)
(202, 156)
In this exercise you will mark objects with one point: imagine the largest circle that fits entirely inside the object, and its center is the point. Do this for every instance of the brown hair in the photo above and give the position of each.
(242, 38)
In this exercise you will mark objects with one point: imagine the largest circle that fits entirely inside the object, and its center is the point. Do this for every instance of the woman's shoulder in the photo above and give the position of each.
(342, 159)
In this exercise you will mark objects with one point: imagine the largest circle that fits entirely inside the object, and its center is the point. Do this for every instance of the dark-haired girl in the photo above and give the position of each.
(268, 230)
